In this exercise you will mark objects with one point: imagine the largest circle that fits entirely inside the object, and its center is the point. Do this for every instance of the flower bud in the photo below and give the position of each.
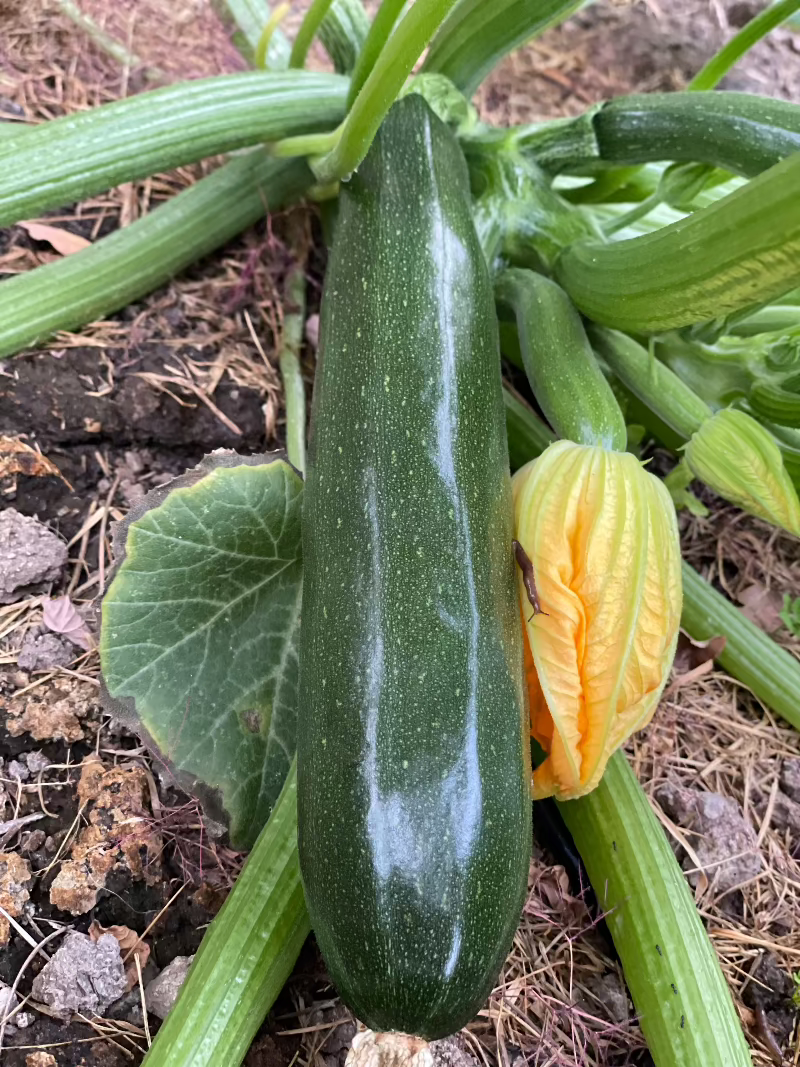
(739, 459)
(602, 536)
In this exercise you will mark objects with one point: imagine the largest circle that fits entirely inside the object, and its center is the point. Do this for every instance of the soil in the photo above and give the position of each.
(133, 401)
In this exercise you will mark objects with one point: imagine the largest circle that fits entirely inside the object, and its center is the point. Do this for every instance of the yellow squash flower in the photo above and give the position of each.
(602, 536)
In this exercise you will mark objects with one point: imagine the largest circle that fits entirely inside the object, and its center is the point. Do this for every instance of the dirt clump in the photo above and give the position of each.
(55, 714)
(15, 878)
(119, 835)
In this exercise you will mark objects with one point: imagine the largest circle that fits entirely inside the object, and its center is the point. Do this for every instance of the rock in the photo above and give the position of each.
(17, 769)
(84, 975)
(15, 877)
(726, 845)
(24, 1019)
(40, 1059)
(613, 996)
(40, 652)
(37, 762)
(31, 841)
(8, 1002)
(128, 1008)
(790, 778)
(451, 1052)
(31, 557)
(785, 814)
(162, 992)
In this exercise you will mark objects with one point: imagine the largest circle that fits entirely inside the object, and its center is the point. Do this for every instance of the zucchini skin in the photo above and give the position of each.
(414, 809)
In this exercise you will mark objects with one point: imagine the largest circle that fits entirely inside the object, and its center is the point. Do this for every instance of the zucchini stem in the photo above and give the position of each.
(381, 88)
(307, 32)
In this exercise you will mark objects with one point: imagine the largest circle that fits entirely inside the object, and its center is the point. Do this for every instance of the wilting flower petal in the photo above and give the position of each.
(738, 458)
(602, 536)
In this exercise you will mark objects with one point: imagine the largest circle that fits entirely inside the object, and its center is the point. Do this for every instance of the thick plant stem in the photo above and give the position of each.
(658, 387)
(681, 997)
(768, 670)
(248, 18)
(765, 21)
(246, 955)
(479, 33)
(382, 26)
(741, 251)
(130, 263)
(307, 32)
(291, 372)
(381, 88)
(80, 155)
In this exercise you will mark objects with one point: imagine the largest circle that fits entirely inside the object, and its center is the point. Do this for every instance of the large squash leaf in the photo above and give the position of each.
(200, 625)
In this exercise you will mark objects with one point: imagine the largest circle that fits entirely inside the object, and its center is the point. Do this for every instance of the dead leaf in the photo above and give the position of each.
(17, 457)
(60, 616)
(693, 659)
(64, 242)
(762, 606)
(128, 943)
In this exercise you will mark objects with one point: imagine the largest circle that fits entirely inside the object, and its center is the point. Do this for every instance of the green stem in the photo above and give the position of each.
(479, 33)
(264, 41)
(741, 251)
(379, 32)
(130, 263)
(291, 371)
(80, 155)
(343, 34)
(768, 671)
(381, 88)
(307, 32)
(682, 1000)
(764, 22)
(634, 215)
(249, 17)
(246, 955)
(658, 387)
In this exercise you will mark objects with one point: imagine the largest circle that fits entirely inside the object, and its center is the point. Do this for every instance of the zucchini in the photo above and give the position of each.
(562, 369)
(413, 767)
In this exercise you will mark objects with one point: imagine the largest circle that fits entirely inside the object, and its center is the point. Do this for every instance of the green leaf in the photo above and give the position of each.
(79, 155)
(199, 631)
(478, 34)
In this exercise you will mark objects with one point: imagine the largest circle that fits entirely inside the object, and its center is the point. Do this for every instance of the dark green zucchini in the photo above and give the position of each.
(414, 811)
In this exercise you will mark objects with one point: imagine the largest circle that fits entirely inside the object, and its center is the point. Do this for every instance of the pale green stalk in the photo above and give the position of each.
(764, 22)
